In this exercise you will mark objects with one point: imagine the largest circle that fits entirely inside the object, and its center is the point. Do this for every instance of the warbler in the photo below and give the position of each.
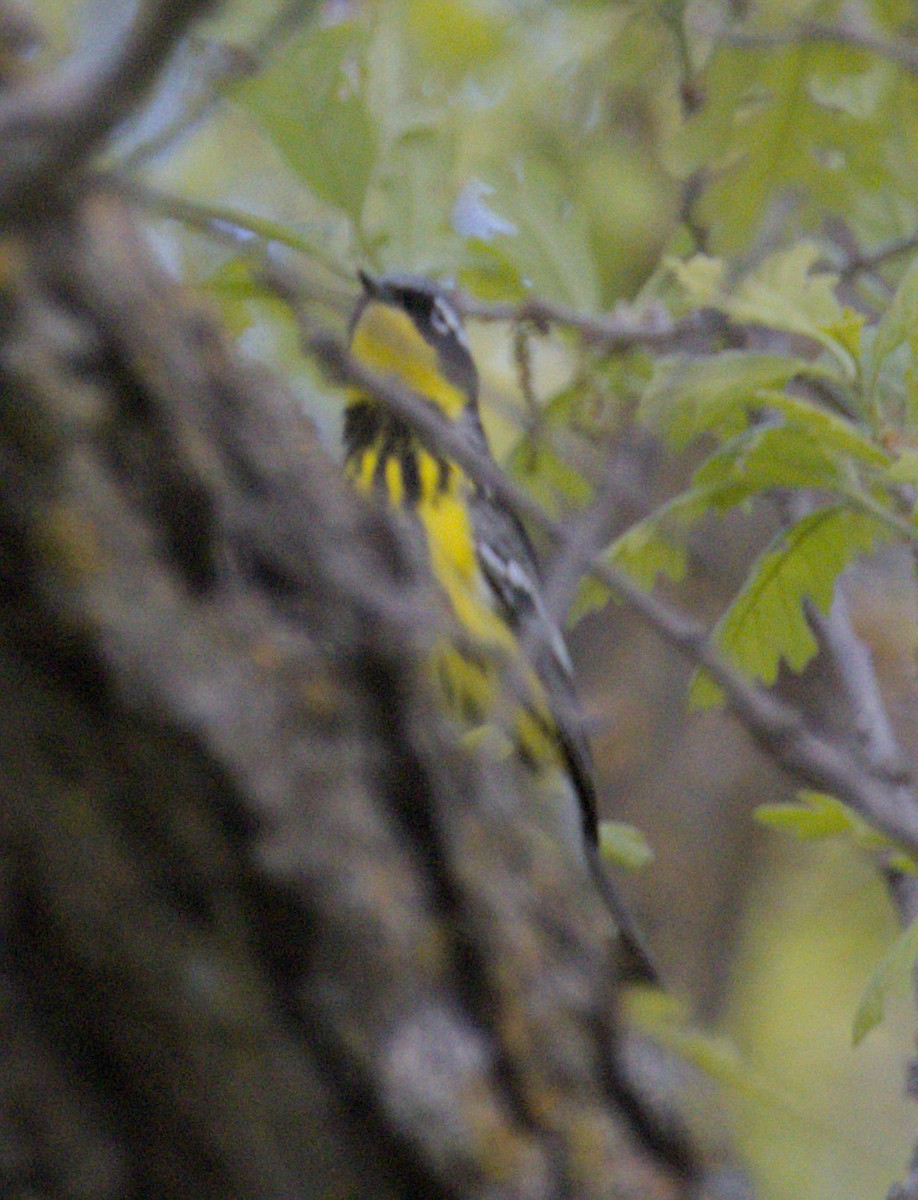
(508, 677)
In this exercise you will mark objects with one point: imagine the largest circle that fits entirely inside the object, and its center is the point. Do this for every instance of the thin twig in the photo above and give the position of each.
(243, 232)
(886, 760)
(623, 329)
(866, 262)
(900, 51)
(652, 328)
(854, 664)
(620, 330)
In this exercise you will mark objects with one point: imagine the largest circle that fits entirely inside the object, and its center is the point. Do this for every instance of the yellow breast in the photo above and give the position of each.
(387, 341)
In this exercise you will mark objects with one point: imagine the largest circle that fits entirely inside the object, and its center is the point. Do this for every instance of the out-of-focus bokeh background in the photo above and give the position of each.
(570, 151)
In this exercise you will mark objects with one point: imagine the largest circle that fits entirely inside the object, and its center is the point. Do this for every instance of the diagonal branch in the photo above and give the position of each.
(866, 261)
(213, 77)
(881, 750)
(854, 664)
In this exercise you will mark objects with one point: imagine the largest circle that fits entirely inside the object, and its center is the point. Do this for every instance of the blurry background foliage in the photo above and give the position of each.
(670, 156)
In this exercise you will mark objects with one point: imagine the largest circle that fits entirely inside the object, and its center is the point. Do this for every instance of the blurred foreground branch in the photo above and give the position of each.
(266, 932)
(49, 126)
(301, 942)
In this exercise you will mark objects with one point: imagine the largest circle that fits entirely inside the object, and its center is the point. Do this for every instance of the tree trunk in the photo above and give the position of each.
(266, 933)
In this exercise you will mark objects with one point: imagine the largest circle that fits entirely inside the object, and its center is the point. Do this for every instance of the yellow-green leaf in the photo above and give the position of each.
(624, 845)
(310, 103)
(818, 815)
(650, 548)
(831, 431)
(905, 468)
(785, 293)
(900, 319)
(701, 277)
(690, 396)
(666, 1020)
(766, 623)
(894, 971)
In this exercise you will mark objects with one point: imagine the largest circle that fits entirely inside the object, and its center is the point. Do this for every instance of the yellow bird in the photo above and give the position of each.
(522, 701)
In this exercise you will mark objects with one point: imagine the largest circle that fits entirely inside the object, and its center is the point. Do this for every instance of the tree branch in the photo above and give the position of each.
(227, 65)
(652, 328)
(854, 664)
(901, 52)
(49, 127)
(865, 261)
(308, 945)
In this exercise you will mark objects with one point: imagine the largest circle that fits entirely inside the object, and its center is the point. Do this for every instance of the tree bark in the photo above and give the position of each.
(265, 931)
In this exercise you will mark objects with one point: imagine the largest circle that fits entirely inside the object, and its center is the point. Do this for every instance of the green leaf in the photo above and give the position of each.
(624, 845)
(833, 432)
(818, 815)
(687, 397)
(310, 105)
(904, 863)
(809, 449)
(905, 468)
(766, 623)
(592, 596)
(455, 37)
(237, 290)
(894, 972)
(784, 293)
(772, 455)
(644, 552)
(899, 321)
(701, 278)
(555, 483)
(801, 120)
(655, 545)
(408, 215)
(856, 95)
(652, 547)
(550, 237)
(667, 1021)
(489, 273)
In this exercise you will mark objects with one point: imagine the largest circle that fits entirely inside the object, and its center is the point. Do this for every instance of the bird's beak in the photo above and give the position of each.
(369, 284)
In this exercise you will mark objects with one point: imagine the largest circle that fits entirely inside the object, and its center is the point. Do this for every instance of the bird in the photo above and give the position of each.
(508, 676)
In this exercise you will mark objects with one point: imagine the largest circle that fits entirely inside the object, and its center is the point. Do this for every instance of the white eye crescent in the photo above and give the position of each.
(444, 320)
